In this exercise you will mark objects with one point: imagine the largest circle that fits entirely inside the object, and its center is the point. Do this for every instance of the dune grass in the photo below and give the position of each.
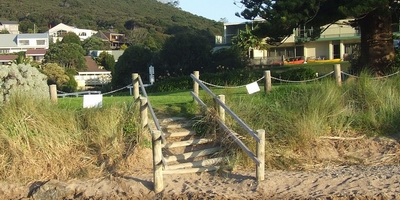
(41, 140)
(294, 116)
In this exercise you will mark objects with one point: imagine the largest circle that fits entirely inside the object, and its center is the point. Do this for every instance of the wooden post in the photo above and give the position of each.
(338, 74)
(53, 93)
(268, 81)
(157, 162)
(143, 112)
(260, 169)
(196, 85)
(135, 82)
(221, 110)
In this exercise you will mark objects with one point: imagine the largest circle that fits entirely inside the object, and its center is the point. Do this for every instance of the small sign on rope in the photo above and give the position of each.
(92, 101)
(252, 88)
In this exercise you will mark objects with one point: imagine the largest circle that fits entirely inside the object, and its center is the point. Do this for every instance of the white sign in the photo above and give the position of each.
(252, 88)
(92, 101)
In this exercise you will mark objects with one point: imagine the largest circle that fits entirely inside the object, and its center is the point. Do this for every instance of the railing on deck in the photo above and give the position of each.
(259, 135)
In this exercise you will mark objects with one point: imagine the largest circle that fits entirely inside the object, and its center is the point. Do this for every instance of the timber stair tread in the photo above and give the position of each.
(184, 151)
(191, 154)
(197, 164)
(186, 143)
(180, 133)
(191, 170)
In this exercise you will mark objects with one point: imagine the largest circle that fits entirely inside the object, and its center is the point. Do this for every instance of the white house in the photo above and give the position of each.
(13, 43)
(57, 32)
(93, 76)
(10, 26)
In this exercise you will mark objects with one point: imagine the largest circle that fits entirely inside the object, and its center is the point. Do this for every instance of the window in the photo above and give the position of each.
(40, 42)
(24, 42)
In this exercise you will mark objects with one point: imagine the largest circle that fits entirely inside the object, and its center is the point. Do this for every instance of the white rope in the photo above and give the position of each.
(387, 76)
(219, 86)
(117, 90)
(304, 81)
(62, 92)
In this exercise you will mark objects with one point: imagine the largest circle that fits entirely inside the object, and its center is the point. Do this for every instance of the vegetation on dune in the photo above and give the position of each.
(62, 141)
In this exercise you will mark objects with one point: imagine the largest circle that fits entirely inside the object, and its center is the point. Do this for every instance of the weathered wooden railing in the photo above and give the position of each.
(156, 132)
(258, 135)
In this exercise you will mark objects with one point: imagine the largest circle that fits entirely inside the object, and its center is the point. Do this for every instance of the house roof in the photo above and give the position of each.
(8, 40)
(35, 52)
(102, 36)
(7, 58)
(33, 36)
(8, 22)
(92, 67)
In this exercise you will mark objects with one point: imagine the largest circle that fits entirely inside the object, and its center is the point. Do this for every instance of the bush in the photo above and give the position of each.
(16, 79)
(300, 74)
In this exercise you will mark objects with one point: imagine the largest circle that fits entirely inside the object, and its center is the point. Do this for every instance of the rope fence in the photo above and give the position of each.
(303, 81)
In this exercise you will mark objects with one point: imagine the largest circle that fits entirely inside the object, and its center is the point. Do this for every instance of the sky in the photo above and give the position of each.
(213, 9)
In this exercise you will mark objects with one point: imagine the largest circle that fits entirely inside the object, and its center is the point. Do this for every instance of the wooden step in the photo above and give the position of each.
(176, 126)
(191, 170)
(180, 133)
(197, 164)
(172, 119)
(193, 154)
(186, 143)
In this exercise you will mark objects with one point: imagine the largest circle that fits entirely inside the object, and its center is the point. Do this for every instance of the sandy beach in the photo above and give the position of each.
(377, 178)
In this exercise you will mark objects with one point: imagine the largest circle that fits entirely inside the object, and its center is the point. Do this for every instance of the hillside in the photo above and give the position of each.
(159, 19)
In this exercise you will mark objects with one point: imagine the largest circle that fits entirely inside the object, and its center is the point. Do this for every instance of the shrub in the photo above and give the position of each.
(24, 79)
(299, 74)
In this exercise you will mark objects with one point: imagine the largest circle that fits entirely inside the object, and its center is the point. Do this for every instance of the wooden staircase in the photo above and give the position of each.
(186, 152)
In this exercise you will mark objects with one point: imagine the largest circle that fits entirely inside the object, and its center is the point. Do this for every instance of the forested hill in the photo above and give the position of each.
(158, 18)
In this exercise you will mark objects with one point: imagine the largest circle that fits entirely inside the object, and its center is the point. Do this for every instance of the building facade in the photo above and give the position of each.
(337, 42)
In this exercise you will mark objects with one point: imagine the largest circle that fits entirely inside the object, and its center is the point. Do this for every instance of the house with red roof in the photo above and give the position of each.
(35, 54)
(93, 76)
(7, 59)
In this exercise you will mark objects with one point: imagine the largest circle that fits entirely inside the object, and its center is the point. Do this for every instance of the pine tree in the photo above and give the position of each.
(374, 18)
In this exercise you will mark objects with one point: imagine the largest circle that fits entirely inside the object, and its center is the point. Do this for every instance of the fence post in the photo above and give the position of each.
(196, 85)
(135, 82)
(338, 74)
(268, 81)
(260, 170)
(221, 110)
(53, 93)
(157, 162)
(143, 112)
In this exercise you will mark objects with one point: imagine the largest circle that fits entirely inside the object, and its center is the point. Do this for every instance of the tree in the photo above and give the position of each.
(227, 59)
(135, 59)
(55, 74)
(137, 36)
(71, 37)
(4, 31)
(184, 53)
(373, 17)
(107, 61)
(67, 55)
(129, 25)
(246, 40)
(95, 43)
(21, 59)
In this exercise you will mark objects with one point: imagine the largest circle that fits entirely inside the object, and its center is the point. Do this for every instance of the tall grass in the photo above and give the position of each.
(295, 116)
(42, 140)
